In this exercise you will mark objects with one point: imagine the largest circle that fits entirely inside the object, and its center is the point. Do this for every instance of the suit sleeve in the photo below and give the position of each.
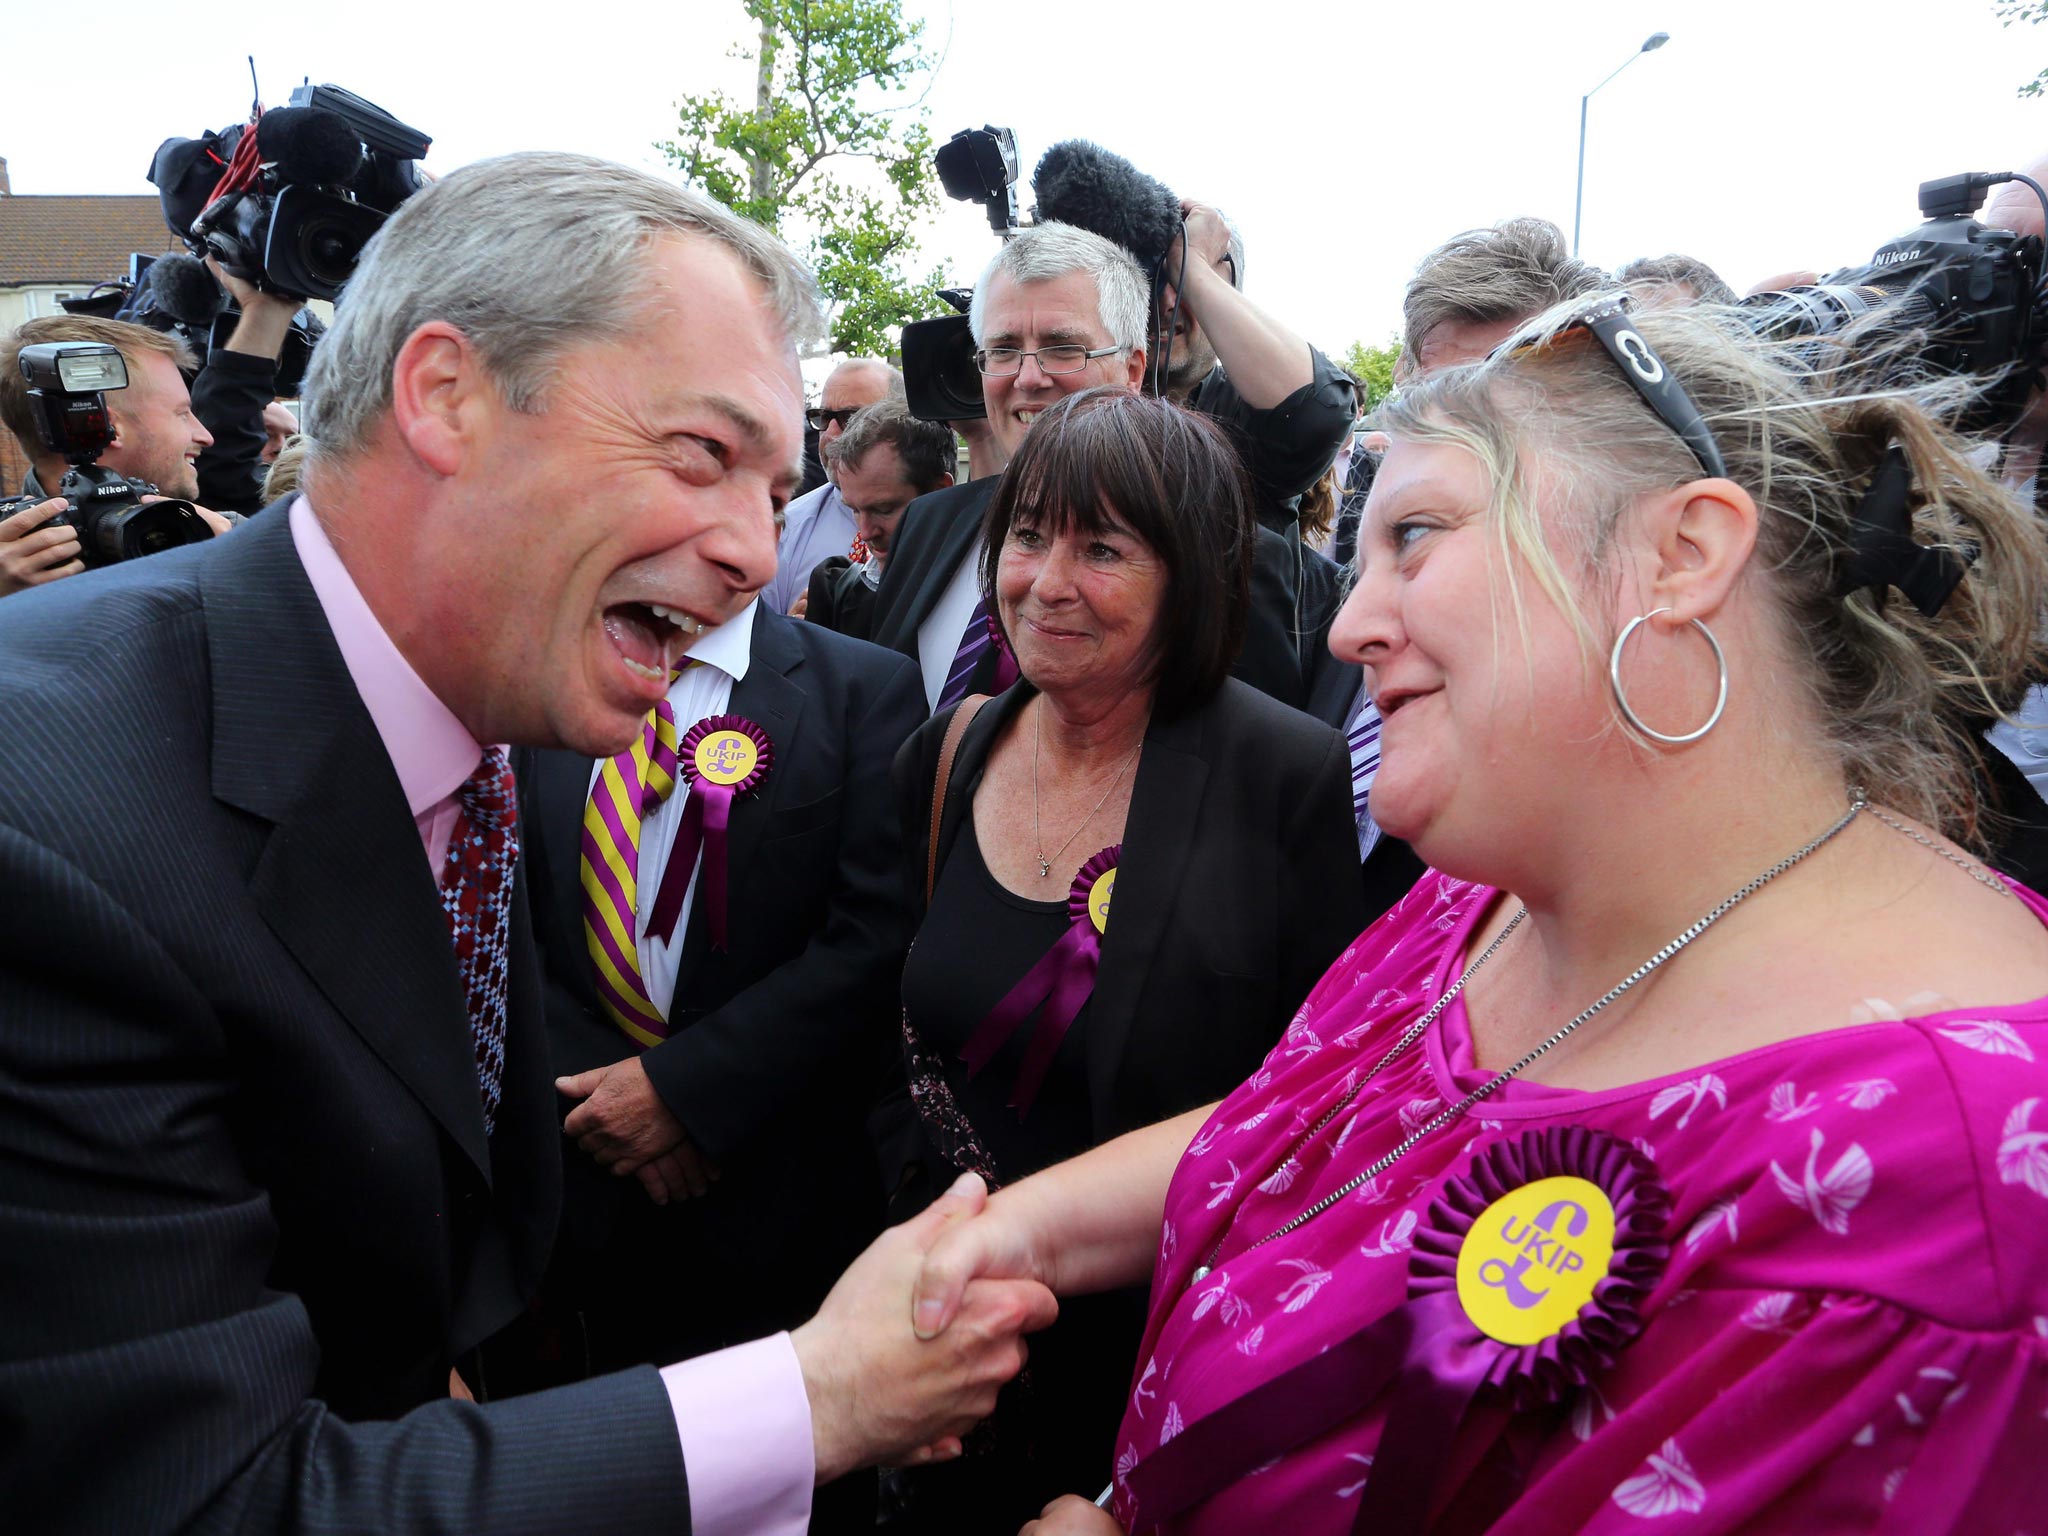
(150, 1378)
(1323, 904)
(737, 1072)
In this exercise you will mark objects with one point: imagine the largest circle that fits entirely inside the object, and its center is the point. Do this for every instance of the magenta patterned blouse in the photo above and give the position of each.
(1851, 1333)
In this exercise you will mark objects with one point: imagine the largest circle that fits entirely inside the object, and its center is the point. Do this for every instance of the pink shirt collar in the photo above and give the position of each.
(431, 750)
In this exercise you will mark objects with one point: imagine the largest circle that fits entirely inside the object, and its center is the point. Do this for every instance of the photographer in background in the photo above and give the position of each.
(157, 438)
(1285, 407)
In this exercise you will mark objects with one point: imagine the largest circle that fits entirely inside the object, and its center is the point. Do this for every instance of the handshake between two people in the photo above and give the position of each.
(910, 1348)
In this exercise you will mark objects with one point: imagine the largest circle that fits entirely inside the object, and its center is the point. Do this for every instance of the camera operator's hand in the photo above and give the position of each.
(31, 554)
(1208, 242)
(266, 317)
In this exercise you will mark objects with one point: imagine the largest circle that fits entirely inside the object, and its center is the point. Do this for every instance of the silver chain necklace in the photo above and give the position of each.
(1416, 1030)
(1038, 837)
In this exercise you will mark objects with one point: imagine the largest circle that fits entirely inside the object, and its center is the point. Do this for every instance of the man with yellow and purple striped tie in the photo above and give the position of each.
(718, 1174)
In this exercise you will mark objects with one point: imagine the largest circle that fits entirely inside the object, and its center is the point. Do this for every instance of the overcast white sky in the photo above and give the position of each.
(1346, 139)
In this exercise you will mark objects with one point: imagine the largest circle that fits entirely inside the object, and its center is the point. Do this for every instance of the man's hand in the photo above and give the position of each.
(623, 1124)
(31, 554)
(1072, 1516)
(1208, 244)
(877, 1391)
(802, 605)
(266, 317)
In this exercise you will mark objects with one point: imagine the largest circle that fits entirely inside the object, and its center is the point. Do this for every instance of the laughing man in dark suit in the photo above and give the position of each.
(277, 1138)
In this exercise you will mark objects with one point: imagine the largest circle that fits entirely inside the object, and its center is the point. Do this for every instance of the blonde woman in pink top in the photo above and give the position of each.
(1675, 1157)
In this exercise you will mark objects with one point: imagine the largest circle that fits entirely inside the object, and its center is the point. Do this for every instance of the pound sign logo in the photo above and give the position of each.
(1532, 1259)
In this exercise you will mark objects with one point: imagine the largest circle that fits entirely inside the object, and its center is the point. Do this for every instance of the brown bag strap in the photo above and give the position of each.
(948, 749)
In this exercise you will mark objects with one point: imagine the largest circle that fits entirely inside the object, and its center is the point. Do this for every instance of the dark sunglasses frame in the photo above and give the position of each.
(818, 418)
(1608, 323)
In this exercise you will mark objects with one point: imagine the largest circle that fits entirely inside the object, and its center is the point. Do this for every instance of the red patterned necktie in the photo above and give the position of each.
(476, 894)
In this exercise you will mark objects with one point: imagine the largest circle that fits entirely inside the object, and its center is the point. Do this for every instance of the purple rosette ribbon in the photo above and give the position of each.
(722, 757)
(1431, 1352)
(1062, 981)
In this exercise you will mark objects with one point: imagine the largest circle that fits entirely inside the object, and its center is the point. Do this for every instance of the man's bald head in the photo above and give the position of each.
(854, 385)
(860, 382)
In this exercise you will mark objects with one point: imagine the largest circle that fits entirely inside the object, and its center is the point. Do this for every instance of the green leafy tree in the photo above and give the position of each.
(832, 83)
(2033, 13)
(1374, 366)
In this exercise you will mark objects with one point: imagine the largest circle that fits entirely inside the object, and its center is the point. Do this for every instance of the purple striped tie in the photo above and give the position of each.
(979, 635)
(1363, 738)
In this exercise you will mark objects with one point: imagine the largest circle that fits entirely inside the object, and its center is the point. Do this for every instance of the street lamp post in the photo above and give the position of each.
(1651, 44)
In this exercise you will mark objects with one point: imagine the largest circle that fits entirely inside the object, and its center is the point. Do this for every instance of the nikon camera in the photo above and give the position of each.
(67, 384)
(1951, 297)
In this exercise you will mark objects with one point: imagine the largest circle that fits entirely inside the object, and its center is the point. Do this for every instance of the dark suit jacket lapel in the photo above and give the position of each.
(293, 744)
(1166, 798)
(767, 697)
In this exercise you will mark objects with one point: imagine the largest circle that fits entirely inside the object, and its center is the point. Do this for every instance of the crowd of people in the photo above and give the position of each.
(558, 979)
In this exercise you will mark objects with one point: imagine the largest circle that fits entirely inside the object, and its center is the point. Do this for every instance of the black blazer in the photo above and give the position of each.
(1293, 593)
(774, 1042)
(245, 1192)
(1237, 887)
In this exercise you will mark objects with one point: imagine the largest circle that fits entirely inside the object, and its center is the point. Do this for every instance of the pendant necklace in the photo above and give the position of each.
(1038, 837)
(1416, 1030)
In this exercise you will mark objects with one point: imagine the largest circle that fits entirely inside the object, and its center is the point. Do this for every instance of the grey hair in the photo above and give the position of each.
(1662, 273)
(1901, 699)
(527, 255)
(928, 449)
(1513, 271)
(1048, 251)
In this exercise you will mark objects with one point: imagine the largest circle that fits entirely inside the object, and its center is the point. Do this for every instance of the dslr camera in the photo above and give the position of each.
(67, 384)
(302, 197)
(1952, 297)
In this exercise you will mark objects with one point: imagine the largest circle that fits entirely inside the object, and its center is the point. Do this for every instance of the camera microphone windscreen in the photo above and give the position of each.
(309, 145)
(1084, 184)
(179, 288)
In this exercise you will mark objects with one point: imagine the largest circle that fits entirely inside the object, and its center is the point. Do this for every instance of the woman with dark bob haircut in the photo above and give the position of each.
(1037, 1023)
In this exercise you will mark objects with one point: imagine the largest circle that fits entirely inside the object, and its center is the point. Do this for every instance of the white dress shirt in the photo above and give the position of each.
(700, 691)
(938, 637)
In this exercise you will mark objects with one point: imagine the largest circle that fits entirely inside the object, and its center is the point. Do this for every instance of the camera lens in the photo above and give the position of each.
(128, 533)
(330, 256)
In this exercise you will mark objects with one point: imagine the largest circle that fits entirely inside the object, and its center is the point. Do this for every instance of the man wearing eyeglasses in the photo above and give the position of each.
(1058, 310)
(820, 525)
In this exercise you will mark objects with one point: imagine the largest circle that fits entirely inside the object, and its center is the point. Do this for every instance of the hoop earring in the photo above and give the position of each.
(1621, 697)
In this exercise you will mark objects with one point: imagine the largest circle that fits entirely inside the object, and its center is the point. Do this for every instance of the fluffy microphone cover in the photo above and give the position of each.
(309, 144)
(1084, 184)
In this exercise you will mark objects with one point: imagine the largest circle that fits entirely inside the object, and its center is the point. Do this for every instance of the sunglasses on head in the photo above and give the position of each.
(819, 418)
(1607, 322)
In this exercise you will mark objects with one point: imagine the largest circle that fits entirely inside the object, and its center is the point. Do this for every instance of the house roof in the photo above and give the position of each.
(77, 239)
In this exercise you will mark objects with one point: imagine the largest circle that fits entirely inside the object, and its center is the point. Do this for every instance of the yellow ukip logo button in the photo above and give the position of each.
(1532, 1259)
(726, 757)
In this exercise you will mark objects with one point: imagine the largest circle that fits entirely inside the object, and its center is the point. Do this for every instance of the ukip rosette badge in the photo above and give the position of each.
(721, 757)
(1055, 989)
(1525, 1282)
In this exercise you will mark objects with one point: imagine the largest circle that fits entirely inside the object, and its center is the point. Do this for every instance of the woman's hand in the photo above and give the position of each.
(991, 1244)
(1073, 1516)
